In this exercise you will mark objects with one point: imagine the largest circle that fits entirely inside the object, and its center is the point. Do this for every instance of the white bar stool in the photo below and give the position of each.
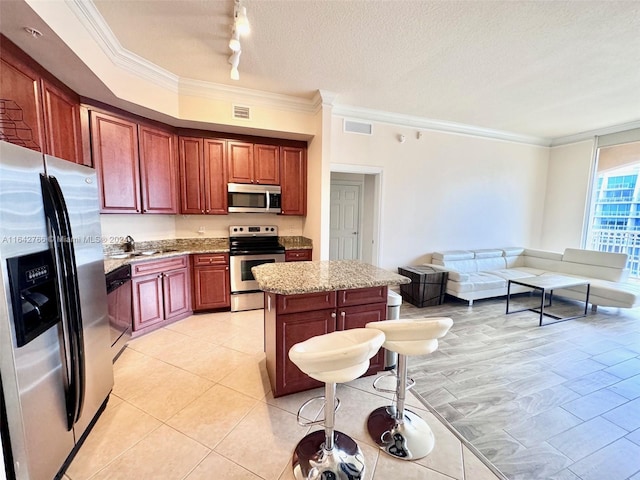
(335, 357)
(398, 431)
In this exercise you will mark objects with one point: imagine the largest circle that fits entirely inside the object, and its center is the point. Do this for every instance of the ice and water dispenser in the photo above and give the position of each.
(34, 293)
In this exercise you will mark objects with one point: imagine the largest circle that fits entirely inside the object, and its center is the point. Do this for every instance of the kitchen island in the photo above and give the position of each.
(306, 299)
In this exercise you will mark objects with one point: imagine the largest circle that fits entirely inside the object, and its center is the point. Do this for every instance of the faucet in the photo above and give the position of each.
(130, 244)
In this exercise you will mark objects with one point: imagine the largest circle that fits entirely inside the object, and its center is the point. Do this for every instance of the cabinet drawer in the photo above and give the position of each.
(206, 259)
(361, 296)
(158, 266)
(305, 302)
(297, 255)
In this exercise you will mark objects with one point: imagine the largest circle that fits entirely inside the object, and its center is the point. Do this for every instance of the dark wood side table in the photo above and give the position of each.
(427, 287)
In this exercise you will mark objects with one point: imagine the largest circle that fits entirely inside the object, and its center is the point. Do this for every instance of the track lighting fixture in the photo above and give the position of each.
(240, 27)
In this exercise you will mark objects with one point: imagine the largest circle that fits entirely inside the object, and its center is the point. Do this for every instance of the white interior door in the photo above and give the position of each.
(345, 222)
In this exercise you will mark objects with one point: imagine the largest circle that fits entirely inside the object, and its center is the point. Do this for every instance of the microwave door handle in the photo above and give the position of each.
(268, 200)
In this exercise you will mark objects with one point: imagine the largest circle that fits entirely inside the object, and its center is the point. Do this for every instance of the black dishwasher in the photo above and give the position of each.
(120, 308)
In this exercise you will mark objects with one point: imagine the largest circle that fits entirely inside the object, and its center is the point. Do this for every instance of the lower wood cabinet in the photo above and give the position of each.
(301, 255)
(290, 319)
(161, 293)
(211, 287)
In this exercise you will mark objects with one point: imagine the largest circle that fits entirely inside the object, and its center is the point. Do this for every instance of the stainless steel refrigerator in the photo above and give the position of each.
(55, 360)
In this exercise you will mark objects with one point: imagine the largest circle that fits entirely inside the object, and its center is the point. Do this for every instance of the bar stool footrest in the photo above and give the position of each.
(309, 402)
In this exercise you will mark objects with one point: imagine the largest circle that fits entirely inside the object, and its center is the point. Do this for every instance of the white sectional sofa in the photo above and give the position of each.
(475, 274)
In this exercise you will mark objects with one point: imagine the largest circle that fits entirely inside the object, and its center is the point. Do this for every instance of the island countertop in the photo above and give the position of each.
(291, 278)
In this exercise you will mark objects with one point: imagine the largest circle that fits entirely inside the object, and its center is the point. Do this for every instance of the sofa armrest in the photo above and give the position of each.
(453, 274)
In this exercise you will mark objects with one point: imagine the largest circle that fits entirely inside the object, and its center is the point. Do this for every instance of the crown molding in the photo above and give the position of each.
(218, 91)
(96, 26)
(591, 134)
(438, 125)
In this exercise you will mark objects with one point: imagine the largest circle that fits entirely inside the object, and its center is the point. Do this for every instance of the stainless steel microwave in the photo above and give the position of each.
(246, 198)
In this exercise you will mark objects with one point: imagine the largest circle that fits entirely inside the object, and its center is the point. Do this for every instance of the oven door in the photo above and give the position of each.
(242, 279)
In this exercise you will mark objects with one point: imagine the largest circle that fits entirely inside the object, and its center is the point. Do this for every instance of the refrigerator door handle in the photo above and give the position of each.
(58, 217)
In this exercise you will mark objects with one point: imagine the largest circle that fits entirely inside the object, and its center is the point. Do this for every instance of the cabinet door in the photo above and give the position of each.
(158, 170)
(147, 301)
(292, 329)
(240, 162)
(358, 317)
(62, 123)
(293, 180)
(114, 142)
(211, 287)
(266, 164)
(192, 176)
(177, 295)
(22, 121)
(215, 173)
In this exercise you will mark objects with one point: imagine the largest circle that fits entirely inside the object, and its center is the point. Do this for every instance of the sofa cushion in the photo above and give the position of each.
(627, 294)
(452, 255)
(530, 252)
(513, 273)
(488, 253)
(512, 251)
(477, 282)
(594, 257)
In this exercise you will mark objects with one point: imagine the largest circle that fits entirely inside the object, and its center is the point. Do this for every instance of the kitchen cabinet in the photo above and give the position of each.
(211, 287)
(115, 155)
(253, 163)
(161, 293)
(300, 255)
(38, 111)
(290, 319)
(62, 129)
(158, 170)
(293, 180)
(203, 178)
(136, 165)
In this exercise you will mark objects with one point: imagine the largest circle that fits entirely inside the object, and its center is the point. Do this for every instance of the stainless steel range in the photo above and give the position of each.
(249, 246)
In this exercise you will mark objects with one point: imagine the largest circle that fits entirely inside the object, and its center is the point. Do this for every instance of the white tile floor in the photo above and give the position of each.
(192, 401)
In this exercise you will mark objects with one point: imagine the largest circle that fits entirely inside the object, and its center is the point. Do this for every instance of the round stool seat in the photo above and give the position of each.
(413, 336)
(337, 357)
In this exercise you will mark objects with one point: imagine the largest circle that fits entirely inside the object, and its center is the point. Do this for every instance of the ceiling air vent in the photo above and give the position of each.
(357, 127)
(241, 112)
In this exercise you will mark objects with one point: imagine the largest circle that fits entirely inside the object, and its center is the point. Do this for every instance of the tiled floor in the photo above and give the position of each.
(192, 401)
(560, 401)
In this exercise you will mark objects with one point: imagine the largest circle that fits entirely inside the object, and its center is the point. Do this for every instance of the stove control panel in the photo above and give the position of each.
(253, 231)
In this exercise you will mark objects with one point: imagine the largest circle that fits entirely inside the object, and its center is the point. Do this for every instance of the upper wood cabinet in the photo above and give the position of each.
(293, 180)
(158, 170)
(39, 112)
(253, 163)
(114, 143)
(203, 180)
(136, 164)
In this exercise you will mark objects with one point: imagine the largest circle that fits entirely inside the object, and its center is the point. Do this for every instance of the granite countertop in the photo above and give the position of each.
(115, 256)
(292, 278)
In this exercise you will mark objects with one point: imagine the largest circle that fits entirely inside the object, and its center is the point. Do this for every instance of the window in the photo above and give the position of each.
(614, 224)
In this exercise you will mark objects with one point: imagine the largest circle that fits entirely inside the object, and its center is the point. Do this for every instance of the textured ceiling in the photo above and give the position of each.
(541, 68)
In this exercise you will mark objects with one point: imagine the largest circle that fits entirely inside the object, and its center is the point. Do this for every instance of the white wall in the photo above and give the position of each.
(566, 202)
(449, 191)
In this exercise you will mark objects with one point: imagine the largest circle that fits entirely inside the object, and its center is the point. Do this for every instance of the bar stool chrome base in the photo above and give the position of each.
(409, 439)
(311, 461)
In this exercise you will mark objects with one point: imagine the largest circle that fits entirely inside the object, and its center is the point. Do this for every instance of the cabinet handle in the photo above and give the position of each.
(333, 314)
(208, 211)
(202, 211)
(343, 314)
